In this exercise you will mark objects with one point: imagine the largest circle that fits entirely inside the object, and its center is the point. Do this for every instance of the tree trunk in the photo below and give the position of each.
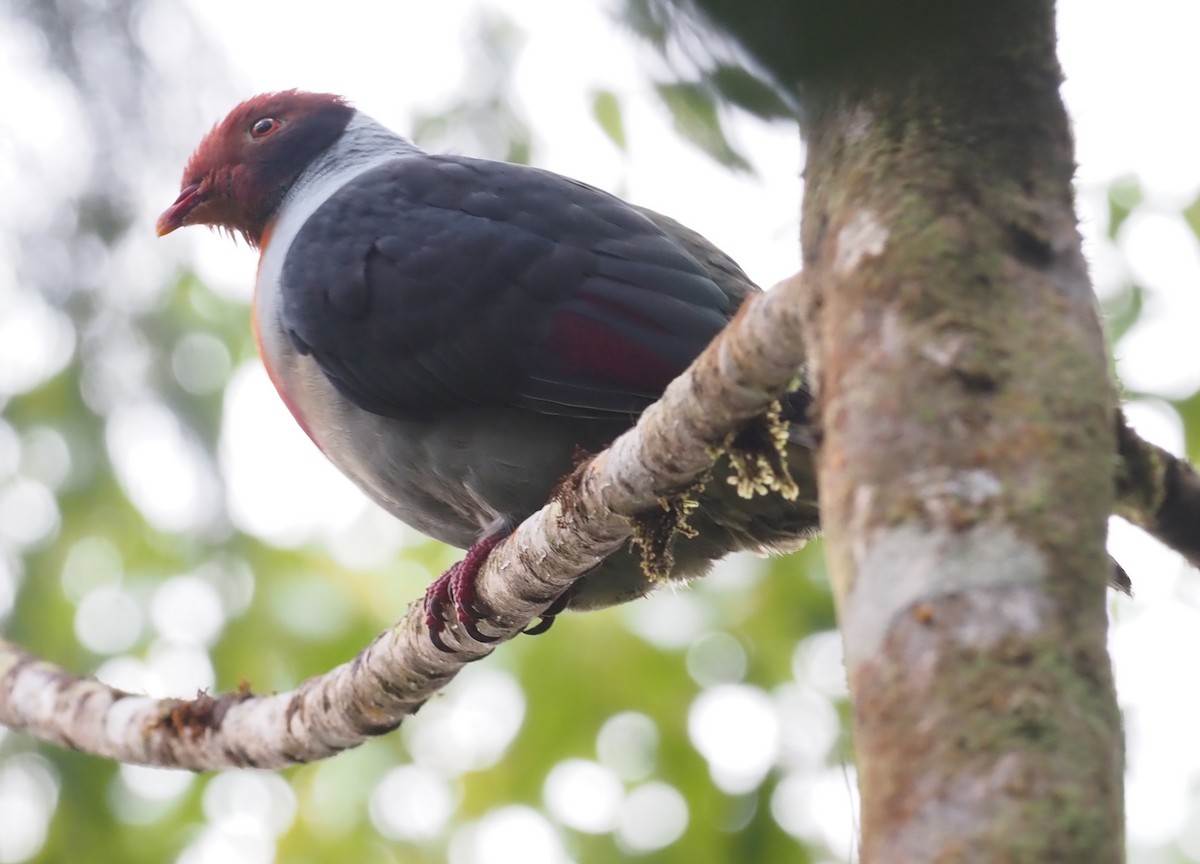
(968, 442)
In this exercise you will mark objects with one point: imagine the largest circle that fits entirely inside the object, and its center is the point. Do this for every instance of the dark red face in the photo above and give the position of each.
(244, 166)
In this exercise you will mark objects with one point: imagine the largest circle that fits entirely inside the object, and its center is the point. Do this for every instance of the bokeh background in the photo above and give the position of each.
(164, 526)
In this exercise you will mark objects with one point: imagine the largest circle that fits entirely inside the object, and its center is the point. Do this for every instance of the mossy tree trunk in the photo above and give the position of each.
(966, 414)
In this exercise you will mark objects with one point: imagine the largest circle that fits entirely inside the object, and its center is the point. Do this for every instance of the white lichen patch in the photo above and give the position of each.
(908, 564)
(856, 123)
(945, 352)
(863, 236)
(119, 720)
(952, 497)
(963, 354)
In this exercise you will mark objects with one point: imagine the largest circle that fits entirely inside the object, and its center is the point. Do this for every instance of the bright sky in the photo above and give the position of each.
(1132, 71)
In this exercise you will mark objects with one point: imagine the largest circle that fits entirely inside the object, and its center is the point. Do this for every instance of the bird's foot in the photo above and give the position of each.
(456, 589)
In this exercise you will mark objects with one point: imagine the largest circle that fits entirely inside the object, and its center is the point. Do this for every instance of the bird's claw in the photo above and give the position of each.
(544, 623)
(546, 620)
(456, 589)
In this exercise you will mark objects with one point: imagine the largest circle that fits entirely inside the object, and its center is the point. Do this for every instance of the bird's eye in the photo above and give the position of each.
(263, 126)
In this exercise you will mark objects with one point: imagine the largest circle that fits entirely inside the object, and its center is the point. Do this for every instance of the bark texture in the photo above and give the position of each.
(968, 441)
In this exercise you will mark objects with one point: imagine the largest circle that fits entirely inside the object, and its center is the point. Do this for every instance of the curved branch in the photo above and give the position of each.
(1158, 492)
(733, 380)
(750, 364)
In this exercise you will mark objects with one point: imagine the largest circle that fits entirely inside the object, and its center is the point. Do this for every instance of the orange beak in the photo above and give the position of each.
(176, 215)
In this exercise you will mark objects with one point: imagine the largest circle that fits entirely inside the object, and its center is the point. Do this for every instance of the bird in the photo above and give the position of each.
(454, 332)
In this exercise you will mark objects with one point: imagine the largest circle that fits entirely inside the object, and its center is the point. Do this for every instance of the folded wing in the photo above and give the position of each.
(437, 283)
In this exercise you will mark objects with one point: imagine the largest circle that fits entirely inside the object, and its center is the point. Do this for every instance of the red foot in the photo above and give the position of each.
(456, 588)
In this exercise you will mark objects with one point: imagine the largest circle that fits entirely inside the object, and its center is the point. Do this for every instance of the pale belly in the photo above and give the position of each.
(455, 477)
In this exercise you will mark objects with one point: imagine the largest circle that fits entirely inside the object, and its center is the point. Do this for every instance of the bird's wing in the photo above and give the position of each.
(437, 282)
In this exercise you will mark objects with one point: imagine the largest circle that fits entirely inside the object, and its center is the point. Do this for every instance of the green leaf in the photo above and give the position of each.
(1122, 311)
(648, 20)
(1191, 215)
(1189, 412)
(747, 91)
(606, 109)
(1124, 194)
(694, 111)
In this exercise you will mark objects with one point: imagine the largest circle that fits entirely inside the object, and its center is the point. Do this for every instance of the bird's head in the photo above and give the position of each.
(239, 174)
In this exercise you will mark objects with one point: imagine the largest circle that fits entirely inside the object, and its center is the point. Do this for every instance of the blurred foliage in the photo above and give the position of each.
(761, 628)
(1191, 215)
(606, 109)
(1124, 196)
(1189, 413)
(287, 613)
(1123, 309)
(698, 119)
(482, 117)
(703, 78)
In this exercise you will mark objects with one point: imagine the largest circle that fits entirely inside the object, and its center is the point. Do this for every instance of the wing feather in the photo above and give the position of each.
(437, 283)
